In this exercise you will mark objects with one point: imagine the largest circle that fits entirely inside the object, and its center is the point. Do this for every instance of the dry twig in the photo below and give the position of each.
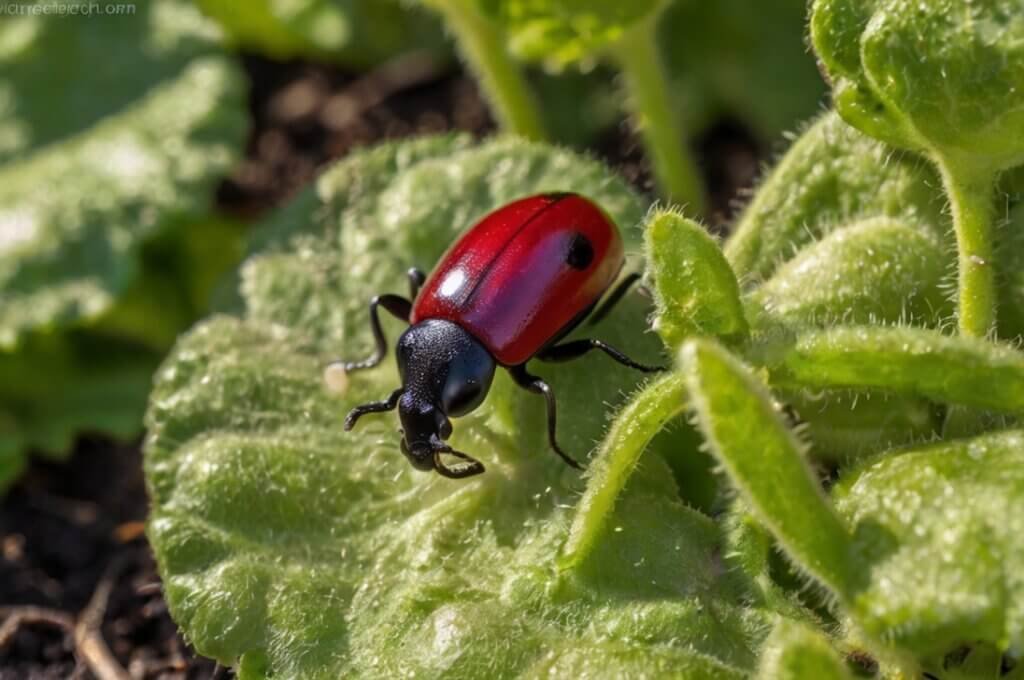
(86, 632)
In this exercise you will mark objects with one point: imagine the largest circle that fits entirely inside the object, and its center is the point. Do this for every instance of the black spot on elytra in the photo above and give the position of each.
(580, 253)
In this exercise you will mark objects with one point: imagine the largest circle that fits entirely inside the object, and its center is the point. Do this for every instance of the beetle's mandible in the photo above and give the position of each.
(506, 292)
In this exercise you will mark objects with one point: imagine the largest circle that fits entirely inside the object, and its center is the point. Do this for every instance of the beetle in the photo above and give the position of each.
(507, 291)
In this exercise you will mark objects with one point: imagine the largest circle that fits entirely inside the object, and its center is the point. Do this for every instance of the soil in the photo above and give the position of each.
(69, 532)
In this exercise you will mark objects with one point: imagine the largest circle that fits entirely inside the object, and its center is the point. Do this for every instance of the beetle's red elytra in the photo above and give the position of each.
(507, 291)
(523, 275)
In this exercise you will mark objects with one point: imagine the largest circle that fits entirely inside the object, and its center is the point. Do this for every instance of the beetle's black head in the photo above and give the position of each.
(445, 372)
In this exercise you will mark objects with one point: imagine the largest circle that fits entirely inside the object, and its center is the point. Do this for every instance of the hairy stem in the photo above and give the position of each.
(674, 168)
(634, 427)
(483, 47)
(970, 199)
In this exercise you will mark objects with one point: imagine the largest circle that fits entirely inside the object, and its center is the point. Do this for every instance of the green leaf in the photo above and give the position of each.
(765, 461)
(878, 270)
(566, 31)
(941, 527)
(831, 177)
(945, 76)
(845, 425)
(55, 387)
(75, 214)
(351, 562)
(61, 75)
(797, 652)
(955, 370)
(695, 290)
(101, 198)
(634, 428)
(355, 33)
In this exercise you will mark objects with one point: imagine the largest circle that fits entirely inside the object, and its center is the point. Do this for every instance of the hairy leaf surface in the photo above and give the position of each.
(941, 527)
(337, 558)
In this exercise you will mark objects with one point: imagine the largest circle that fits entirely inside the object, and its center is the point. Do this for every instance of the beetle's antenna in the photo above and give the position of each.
(473, 466)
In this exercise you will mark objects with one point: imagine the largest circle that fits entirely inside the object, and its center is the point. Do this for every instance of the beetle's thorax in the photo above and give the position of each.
(445, 372)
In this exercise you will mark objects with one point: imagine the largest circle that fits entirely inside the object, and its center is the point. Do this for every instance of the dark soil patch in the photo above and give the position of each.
(64, 527)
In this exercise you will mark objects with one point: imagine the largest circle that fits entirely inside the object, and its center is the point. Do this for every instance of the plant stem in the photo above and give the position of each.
(634, 427)
(970, 199)
(483, 47)
(674, 168)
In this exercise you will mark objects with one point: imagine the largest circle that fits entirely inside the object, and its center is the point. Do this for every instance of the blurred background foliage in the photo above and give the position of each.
(119, 133)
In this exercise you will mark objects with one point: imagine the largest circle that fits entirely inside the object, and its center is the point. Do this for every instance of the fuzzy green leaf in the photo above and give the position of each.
(694, 288)
(797, 652)
(831, 177)
(945, 76)
(942, 529)
(877, 270)
(955, 370)
(634, 428)
(765, 461)
(337, 557)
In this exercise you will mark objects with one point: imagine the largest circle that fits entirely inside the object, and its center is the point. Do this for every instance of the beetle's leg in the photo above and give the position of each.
(416, 279)
(373, 407)
(613, 299)
(538, 386)
(401, 309)
(577, 348)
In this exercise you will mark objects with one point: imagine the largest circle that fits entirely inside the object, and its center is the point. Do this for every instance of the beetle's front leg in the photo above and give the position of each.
(400, 308)
(358, 412)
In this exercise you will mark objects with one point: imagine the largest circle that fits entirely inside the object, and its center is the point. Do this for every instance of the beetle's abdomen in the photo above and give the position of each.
(524, 273)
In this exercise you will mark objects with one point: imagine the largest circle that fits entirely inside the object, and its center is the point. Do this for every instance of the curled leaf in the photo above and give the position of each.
(694, 288)
(634, 427)
(945, 76)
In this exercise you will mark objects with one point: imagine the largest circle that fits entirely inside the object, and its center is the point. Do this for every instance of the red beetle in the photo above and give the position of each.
(506, 292)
